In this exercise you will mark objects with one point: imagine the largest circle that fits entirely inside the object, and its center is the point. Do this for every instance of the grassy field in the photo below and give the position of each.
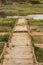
(4, 38)
(37, 39)
(36, 25)
(1, 47)
(23, 5)
(22, 9)
(35, 22)
(7, 24)
(39, 54)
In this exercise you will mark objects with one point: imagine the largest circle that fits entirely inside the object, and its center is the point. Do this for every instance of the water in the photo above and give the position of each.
(32, 16)
(35, 16)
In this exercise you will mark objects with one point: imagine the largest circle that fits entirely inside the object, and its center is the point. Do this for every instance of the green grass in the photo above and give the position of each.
(6, 24)
(1, 47)
(6, 20)
(23, 5)
(28, 5)
(35, 22)
(35, 25)
(39, 54)
(11, 12)
(23, 11)
(18, 8)
(37, 39)
(4, 38)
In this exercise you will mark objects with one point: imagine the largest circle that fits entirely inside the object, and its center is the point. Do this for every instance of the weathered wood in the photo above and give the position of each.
(20, 49)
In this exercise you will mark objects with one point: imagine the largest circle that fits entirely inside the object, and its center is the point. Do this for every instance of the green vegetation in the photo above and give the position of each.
(36, 25)
(35, 22)
(37, 39)
(11, 12)
(21, 7)
(39, 54)
(6, 2)
(1, 47)
(5, 20)
(23, 11)
(32, 21)
(4, 38)
(24, 8)
(20, 1)
(6, 24)
(34, 1)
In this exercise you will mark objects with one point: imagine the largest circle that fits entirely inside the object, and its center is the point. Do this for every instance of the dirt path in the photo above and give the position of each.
(20, 50)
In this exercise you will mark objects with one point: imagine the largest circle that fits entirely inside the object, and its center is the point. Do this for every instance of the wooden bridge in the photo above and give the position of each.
(20, 50)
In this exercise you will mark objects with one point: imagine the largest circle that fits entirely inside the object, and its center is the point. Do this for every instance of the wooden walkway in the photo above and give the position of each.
(20, 49)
